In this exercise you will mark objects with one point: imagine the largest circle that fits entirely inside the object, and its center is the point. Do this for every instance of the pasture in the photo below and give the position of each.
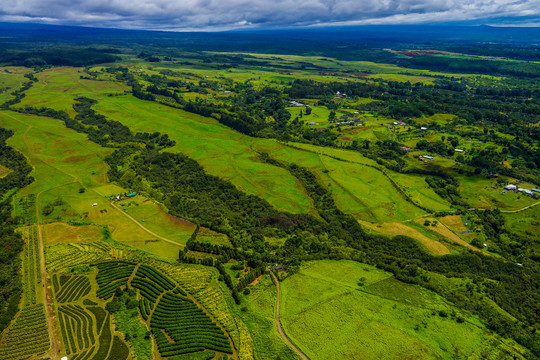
(329, 315)
(221, 151)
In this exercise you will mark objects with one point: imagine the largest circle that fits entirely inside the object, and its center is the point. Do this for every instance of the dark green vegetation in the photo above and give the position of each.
(172, 314)
(277, 160)
(11, 243)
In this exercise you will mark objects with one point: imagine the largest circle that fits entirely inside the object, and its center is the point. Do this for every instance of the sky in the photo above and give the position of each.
(178, 15)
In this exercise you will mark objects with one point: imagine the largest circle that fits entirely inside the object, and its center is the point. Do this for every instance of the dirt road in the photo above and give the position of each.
(278, 322)
(145, 229)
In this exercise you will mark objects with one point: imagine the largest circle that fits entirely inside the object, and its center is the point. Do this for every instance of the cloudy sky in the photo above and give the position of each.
(231, 14)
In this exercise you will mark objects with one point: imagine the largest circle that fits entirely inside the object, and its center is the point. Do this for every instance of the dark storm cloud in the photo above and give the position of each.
(221, 14)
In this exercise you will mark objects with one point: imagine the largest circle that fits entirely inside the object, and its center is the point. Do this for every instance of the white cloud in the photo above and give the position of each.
(201, 14)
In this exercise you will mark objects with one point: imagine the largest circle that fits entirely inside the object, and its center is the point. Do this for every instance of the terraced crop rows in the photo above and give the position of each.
(187, 325)
(27, 336)
(71, 290)
(31, 260)
(66, 255)
(179, 325)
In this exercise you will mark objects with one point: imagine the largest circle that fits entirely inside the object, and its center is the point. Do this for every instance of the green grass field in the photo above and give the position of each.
(329, 316)
(220, 150)
(58, 87)
(65, 162)
(11, 79)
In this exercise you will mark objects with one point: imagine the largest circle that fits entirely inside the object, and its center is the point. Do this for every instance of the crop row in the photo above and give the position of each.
(113, 273)
(84, 324)
(77, 287)
(27, 336)
(147, 289)
(100, 316)
(188, 325)
(105, 339)
(31, 259)
(145, 308)
(193, 279)
(155, 276)
(107, 291)
(84, 355)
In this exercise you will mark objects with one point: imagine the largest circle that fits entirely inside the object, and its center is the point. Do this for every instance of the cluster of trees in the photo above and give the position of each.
(11, 243)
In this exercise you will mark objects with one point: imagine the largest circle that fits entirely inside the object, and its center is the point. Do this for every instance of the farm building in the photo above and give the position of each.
(525, 191)
(423, 128)
(277, 267)
(405, 148)
(459, 150)
(428, 157)
(131, 194)
(313, 123)
(510, 187)
(536, 190)
(94, 204)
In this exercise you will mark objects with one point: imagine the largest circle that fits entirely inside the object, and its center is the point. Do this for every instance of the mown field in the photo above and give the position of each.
(329, 315)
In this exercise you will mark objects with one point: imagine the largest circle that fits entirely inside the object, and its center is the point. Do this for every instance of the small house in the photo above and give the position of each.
(459, 150)
(94, 204)
(510, 187)
(131, 194)
(277, 267)
(428, 157)
(423, 128)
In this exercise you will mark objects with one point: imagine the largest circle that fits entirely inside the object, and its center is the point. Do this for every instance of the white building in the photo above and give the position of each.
(510, 187)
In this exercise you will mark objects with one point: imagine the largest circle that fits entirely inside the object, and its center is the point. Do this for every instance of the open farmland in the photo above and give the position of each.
(322, 304)
(166, 191)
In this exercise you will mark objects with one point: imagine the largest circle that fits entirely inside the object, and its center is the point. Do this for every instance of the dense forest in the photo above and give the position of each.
(10, 242)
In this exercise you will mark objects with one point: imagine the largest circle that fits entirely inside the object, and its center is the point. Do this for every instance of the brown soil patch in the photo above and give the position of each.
(346, 138)
(397, 228)
(56, 233)
(454, 222)
(256, 281)
(4, 171)
(176, 220)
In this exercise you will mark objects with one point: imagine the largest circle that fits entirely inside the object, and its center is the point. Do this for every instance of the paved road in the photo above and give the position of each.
(278, 323)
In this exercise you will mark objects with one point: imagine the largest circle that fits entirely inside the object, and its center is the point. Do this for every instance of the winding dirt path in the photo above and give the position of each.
(278, 322)
(518, 210)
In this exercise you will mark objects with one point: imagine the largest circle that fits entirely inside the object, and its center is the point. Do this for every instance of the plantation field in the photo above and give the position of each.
(27, 336)
(329, 316)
